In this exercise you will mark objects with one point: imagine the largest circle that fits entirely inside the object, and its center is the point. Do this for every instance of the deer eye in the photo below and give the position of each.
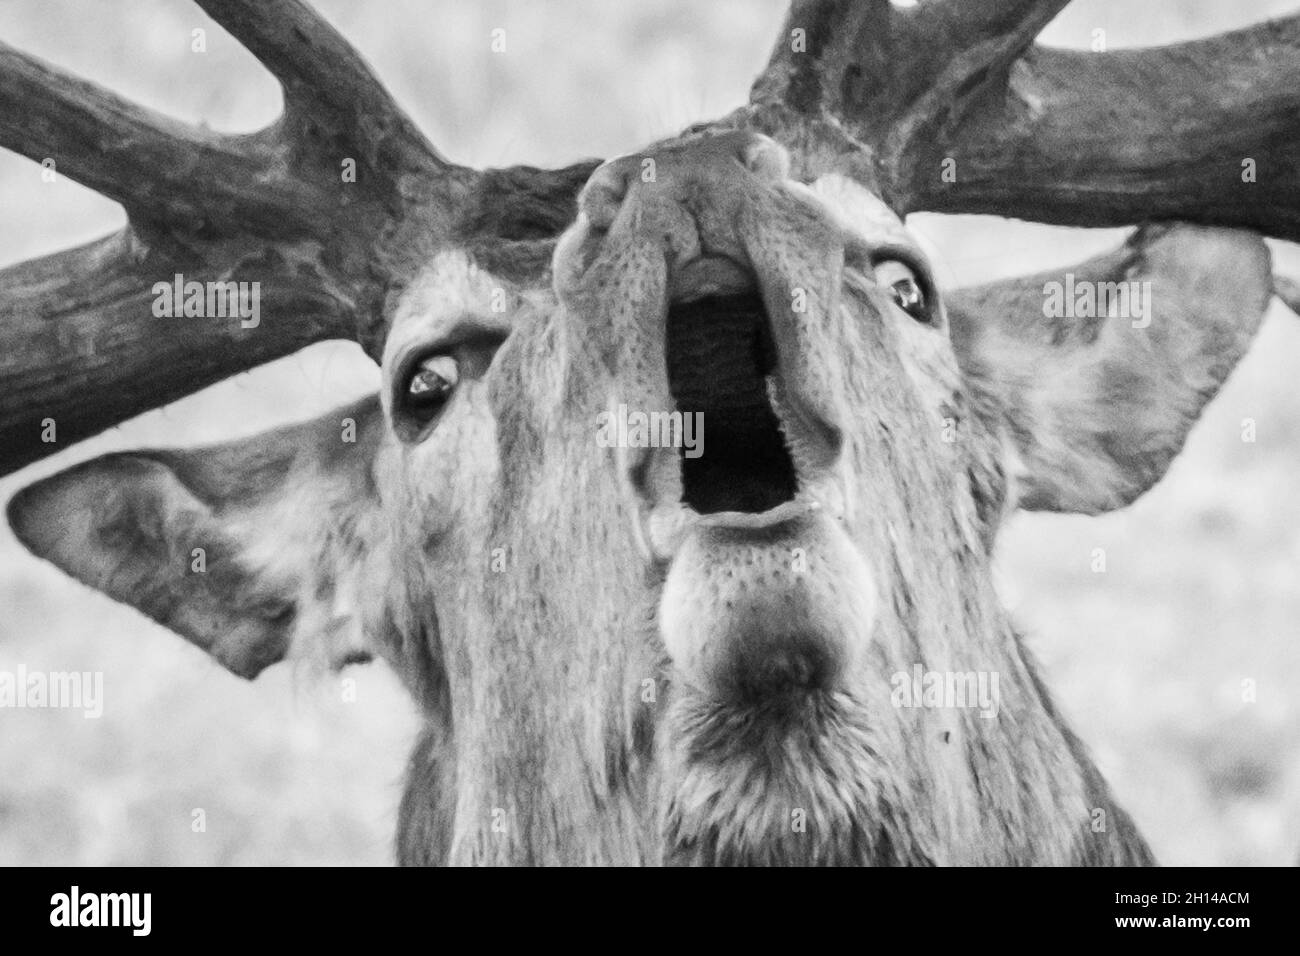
(428, 386)
(901, 283)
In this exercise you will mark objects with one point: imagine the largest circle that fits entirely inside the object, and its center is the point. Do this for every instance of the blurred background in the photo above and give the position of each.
(1147, 660)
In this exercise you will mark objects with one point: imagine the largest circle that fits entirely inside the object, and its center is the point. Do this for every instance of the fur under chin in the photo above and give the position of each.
(796, 781)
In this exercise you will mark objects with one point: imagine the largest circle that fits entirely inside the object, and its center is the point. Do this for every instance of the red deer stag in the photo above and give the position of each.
(640, 654)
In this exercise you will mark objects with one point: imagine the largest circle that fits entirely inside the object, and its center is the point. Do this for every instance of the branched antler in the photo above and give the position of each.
(81, 349)
(960, 113)
(328, 210)
(870, 66)
(944, 106)
(154, 166)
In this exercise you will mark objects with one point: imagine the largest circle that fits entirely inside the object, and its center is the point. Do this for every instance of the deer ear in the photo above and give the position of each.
(246, 549)
(1097, 406)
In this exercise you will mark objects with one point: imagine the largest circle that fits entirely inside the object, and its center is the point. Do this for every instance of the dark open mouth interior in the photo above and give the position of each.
(720, 353)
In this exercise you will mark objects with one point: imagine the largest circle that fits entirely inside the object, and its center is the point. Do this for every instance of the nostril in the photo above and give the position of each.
(603, 195)
(766, 157)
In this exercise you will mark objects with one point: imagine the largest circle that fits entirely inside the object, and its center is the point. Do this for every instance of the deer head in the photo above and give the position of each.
(626, 652)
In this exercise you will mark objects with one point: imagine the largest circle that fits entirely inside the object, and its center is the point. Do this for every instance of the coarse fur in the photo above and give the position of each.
(490, 558)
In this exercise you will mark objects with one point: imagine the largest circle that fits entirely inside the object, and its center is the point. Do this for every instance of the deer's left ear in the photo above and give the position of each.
(1097, 373)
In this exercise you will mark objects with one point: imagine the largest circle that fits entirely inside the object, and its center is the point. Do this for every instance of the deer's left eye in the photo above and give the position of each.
(907, 292)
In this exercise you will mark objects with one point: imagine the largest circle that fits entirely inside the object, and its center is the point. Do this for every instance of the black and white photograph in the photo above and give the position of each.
(619, 433)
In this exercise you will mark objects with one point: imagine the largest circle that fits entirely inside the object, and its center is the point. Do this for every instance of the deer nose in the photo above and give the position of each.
(674, 171)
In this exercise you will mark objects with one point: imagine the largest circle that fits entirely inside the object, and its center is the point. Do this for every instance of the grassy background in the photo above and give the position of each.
(1146, 659)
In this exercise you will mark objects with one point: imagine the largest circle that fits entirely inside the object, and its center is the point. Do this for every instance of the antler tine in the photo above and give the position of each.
(948, 106)
(156, 167)
(1204, 131)
(327, 83)
(864, 62)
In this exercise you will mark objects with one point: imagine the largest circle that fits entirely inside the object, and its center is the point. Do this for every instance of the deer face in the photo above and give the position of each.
(629, 651)
(709, 643)
(649, 612)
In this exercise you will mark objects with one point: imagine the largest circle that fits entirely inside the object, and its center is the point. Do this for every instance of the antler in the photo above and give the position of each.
(79, 341)
(955, 110)
(946, 106)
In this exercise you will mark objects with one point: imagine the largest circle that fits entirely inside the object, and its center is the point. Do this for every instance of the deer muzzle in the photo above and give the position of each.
(709, 280)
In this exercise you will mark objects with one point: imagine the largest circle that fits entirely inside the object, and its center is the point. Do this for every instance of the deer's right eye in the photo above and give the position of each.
(428, 386)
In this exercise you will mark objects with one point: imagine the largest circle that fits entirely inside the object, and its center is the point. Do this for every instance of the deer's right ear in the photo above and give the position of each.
(1096, 375)
(247, 549)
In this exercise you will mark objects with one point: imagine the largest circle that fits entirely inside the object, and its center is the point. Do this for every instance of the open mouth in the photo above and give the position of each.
(763, 458)
(721, 357)
(743, 618)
